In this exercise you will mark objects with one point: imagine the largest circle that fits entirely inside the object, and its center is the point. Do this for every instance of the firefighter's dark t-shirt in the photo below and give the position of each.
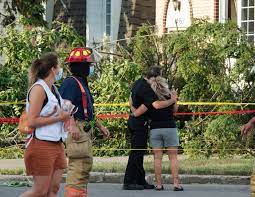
(70, 90)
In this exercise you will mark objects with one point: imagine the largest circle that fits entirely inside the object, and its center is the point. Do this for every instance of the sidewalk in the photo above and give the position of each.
(13, 164)
(101, 177)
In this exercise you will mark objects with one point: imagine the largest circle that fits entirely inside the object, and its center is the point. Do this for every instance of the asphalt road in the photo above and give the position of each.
(114, 190)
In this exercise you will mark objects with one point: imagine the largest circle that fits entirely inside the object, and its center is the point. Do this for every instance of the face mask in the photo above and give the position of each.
(59, 75)
(91, 70)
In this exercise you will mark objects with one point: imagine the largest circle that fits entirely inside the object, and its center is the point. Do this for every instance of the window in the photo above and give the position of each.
(108, 18)
(247, 19)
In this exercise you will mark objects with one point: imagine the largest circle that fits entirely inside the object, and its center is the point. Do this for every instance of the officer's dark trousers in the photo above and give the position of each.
(135, 173)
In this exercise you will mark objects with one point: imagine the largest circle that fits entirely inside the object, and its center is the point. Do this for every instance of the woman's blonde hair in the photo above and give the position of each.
(41, 67)
(160, 86)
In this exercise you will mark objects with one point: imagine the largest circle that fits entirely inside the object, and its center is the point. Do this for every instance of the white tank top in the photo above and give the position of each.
(55, 131)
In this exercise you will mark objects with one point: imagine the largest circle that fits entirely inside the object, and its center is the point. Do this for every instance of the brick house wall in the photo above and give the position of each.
(204, 8)
(161, 13)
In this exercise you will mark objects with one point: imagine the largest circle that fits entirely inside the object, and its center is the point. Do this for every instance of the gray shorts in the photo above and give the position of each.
(164, 137)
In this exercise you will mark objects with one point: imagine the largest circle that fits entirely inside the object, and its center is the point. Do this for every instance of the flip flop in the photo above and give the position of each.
(159, 188)
(178, 189)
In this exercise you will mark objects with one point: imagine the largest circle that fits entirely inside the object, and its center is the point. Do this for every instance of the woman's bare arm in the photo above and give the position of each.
(166, 103)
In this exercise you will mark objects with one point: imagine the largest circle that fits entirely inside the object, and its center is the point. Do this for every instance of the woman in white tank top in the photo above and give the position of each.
(44, 156)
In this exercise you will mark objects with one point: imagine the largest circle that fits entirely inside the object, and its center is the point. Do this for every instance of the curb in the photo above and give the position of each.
(101, 177)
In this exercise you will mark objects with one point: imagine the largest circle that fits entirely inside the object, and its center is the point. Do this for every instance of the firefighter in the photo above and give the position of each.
(79, 143)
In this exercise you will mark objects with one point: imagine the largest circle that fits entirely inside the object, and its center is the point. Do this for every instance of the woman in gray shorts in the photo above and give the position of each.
(163, 132)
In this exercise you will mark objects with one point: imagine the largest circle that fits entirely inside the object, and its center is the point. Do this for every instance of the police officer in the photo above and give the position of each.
(79, 143)
(141, 93)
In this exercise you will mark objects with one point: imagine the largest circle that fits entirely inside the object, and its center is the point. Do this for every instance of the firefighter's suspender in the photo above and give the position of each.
(84, 98)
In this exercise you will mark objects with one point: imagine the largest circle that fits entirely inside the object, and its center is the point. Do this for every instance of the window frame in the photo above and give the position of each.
(108, 15)
(246, 22)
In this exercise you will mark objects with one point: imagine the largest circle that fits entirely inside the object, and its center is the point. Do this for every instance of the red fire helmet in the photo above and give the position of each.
(81, 54)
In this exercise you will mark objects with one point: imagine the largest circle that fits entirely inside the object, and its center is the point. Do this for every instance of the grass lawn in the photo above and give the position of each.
(187, 166)
(18, 171)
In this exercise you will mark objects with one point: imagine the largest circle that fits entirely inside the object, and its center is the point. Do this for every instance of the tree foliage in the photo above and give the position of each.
(31, 12)
(207, 62)
(19, 49)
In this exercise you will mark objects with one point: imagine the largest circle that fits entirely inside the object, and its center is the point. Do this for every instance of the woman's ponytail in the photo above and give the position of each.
(33, 72)
(41, 67)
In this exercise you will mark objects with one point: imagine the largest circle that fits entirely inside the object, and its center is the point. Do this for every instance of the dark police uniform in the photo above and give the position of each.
(141, 93)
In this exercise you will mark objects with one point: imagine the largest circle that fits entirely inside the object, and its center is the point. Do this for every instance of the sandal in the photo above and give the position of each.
(159, 188)
(178, 189)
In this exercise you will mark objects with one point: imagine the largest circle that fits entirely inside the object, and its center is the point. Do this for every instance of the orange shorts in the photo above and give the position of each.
(42, 158)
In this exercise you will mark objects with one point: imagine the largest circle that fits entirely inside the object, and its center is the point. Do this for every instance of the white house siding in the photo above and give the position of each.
(96, 21)
(95, 30)
(115, 19)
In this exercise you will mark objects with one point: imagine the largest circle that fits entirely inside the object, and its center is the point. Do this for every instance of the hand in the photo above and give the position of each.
(63, 116)
(104, 131)
(75, 134)
(174, 96)
(246, 128)
(130, 101)
(67, 125)
(73, 129)
(174, 92)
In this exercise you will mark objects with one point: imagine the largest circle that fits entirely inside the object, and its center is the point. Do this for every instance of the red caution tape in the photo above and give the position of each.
(9, 120)
(125, 115)
(114, 116)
